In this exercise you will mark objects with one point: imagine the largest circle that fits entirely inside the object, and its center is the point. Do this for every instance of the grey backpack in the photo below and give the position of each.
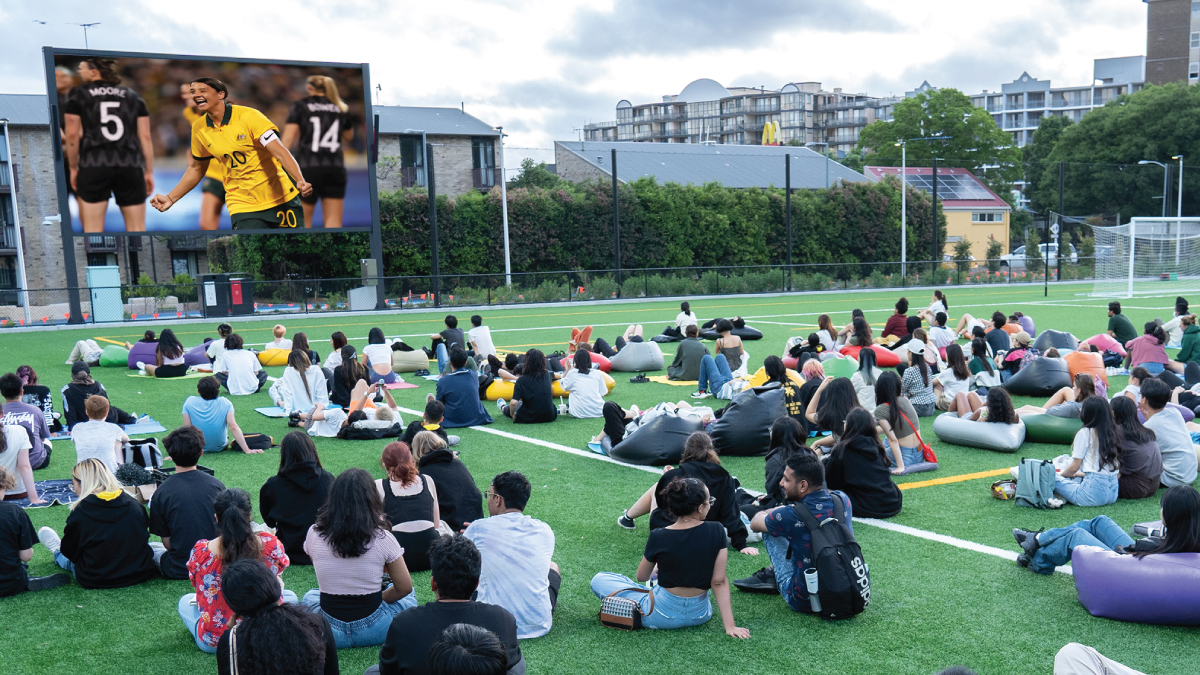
(1035, 483)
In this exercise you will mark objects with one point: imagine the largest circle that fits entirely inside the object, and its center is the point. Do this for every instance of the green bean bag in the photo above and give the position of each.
(839, 366)
(1050, 429)
(114, 356)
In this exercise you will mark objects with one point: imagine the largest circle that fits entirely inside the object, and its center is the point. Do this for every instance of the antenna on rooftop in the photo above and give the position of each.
(85, 27)
(378, 91)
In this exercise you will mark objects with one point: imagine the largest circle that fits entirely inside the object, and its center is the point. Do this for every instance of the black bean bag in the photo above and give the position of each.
(1043, 377)
(658, 442)
(744, 430)
(1057, 339)
(663, 338)
(746, 333)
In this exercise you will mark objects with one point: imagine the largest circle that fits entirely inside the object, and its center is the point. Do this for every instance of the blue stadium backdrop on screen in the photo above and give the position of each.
(287, 144)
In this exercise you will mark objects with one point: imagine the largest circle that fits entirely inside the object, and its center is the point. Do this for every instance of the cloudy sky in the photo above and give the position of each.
(542, 68)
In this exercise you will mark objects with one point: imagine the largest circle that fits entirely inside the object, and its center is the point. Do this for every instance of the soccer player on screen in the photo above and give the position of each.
(259, 188)
(212, 188)
(108, 147)
(323, 125)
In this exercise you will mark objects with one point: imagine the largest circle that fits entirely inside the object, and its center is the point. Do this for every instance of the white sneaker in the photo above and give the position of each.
(49, 539)
(500, 403)
(453, 440)
(635, 410)
(141, 366)
(429, 397)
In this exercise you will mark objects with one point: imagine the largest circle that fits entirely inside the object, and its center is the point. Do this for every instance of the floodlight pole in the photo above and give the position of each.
(936, 257)
(616, 219)
(787, 212)
(1179, 211)
(435, 287)
(1058, 236)
(504, 210)
(903, 210)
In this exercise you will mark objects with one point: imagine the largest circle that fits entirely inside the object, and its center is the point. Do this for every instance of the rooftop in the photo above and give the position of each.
(957, 188)
(395, 119)
(24, 109)
(737, 166)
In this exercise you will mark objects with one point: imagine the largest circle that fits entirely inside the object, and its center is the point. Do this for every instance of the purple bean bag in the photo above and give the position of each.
(1186, 414)
(142, 351)
(1161, 589)
(1028, 326)
(196, 356)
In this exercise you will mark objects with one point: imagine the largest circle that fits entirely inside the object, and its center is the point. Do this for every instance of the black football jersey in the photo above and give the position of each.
(322, 125)
(109, 114)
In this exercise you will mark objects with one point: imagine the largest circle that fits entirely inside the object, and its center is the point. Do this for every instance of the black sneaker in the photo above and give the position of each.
(1023, 560)
(1027, 539)
(762, 581)
(428, 353)
(293, 421)
(45, 583)
(626, 522)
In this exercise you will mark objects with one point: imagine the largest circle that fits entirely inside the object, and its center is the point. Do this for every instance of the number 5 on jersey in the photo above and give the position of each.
(107, 118)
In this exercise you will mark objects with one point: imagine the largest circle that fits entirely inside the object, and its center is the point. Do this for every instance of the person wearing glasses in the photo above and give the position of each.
(517, 572)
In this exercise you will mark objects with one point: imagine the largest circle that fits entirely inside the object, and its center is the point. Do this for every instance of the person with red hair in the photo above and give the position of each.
(410, 502)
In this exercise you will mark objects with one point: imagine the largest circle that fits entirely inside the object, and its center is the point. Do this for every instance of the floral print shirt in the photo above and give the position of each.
(204, 570)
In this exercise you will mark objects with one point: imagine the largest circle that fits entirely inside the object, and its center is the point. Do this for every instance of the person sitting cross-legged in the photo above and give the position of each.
(463, 648)
(456, 565)
(97, 438)
(458, 390)
(688, 356)
(181, 512)
(1174, 440)
(533, 398)
(213, 415)
(16, 547)
(238, 369)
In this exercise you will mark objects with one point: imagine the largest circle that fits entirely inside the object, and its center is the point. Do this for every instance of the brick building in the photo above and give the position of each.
(465, 153)
(1172, 41)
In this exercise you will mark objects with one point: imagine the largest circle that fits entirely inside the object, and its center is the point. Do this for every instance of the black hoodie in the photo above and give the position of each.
(108, 541)
(720, 485)
(459, 499)
(859, 469)
(74, 395)
(289, 501)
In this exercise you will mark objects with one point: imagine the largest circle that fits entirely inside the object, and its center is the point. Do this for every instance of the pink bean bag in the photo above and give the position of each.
(598, 361)
(884, 357)
(142, 351)
(1160, 589)
(1106, 343)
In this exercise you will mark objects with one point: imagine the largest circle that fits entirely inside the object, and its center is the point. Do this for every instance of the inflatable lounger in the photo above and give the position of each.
(1042, 377)
(142, 351)
(746, 333)
(884, 357)
(984, 435)
(114, 356)
(1162, 588)
(1050, 429)
(638, 357)
(500, 389)
(658, 442)
(409, 362)
(1057, 339)
(744, 430)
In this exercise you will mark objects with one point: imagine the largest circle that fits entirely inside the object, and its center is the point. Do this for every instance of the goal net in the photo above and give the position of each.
(1147, 256)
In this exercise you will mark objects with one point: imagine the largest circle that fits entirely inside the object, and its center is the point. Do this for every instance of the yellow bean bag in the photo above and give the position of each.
(274, 357)
(504, 390)
(409, 362)
(760, 378)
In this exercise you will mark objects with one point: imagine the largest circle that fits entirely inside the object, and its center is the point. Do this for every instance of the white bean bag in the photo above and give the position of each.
(409, 362)
(638, 357)
(956, 430)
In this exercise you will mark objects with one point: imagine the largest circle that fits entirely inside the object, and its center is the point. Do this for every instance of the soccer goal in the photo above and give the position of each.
(1147, 256)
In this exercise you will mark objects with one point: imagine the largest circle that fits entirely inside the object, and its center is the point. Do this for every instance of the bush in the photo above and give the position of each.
(710, 283)
(994, 251)
(185, 288)
(877, 280)
(601, 288)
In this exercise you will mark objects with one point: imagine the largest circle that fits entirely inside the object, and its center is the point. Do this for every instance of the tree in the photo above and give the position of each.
(534, 175)
(1033, 251)
(854, 160)
(994, 250)
(1102, 153)
(962, 255)
(794, 142)
(975, 143)
(1034, 158)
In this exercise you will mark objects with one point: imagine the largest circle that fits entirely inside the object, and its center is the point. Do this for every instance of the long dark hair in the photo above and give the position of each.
(1181, 518)
(1125, 417)
(788, 434)
(297, 448)
(352, 370)
(861, 331)
(1087, 386)
(1156, 330)
(775, 370)
(300, 343)
(942, 296)
(887, 392)
(169, 345)
(338, 340)
(686, 308)
(583, 361)
(352, 514)
(866, 364)
(1097, 415)
(979, 348)
(860, 424)
(957, 362)
(826, 324)
(837, 400)
(238, 539)
(534, 364)
(272, 638)
(1000, 407)
(375, 336)
(299, 360)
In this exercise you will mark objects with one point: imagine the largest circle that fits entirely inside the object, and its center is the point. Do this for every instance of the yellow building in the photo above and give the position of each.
(973, 212)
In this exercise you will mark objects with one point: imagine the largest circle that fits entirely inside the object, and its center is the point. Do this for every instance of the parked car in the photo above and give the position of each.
(1049, 254)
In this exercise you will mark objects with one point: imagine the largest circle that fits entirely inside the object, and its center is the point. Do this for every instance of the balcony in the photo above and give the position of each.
(857, 121)
(599, 125)
(8, 238)
(485, 179)
(5, 177)
(412, 176)
(100, 244)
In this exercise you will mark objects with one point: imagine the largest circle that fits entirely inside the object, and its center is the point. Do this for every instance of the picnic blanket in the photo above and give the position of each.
(53, 491)
(146, 425)
(431, 377)
(401, 385)
(276, 411)
(662, 379)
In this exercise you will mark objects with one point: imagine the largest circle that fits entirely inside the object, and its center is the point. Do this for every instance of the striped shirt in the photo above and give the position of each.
(351, 576)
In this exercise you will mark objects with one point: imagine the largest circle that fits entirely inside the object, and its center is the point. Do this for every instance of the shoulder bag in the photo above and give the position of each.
(926, 449)
(623, 613)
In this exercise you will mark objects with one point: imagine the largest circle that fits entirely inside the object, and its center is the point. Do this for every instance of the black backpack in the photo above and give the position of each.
(843, 578)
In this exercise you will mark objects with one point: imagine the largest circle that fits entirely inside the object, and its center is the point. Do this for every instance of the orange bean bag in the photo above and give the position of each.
(884, 357)
(1091, 363)
(791, 362)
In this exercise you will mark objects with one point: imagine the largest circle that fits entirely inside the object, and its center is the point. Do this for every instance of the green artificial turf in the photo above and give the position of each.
(933, 605)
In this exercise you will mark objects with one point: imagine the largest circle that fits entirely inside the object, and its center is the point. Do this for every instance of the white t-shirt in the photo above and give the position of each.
(215, 348)
(97, 439)
(1174, 332)
(379, 355)
(279, 343)
(941, 336)
(936, 306)
(827, 341)
(329, 426)
(586, 392)
(16, 440)
(1175, 442)
(684, 320)
(952, 384)
(333, 360)
(866, 392)
(1134, 389)
(482, 337)
(241, 366)
(1086, 448)
(289, 389)
(515, 550)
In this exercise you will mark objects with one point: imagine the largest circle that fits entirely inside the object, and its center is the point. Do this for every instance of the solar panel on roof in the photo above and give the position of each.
(951, 186)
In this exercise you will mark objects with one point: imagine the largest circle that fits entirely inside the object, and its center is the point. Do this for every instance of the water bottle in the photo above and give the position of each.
(810, 582)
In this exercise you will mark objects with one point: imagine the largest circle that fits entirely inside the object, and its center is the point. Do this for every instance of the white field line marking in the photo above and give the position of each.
(950, 541)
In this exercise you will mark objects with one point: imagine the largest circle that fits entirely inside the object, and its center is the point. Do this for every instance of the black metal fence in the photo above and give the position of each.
(158, 302)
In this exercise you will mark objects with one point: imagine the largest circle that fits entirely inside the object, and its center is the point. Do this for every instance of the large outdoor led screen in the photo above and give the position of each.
(186, 144)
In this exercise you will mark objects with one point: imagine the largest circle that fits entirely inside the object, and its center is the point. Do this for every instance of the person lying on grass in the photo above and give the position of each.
(690, 558)
(88, 352)
(1066, 402)
(329, 422)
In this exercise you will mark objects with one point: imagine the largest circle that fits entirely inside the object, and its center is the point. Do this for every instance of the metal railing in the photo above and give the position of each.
(484, 179)
(166, 302)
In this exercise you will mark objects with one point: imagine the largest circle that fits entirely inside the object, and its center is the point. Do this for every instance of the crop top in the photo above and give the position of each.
(686, 558)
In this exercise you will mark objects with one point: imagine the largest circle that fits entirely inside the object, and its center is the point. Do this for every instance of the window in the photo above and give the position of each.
(101, 259)
(987, 217)
(1195, 40)
(483, 161)
(184, 262)
(1196, 9)
(1193, 71)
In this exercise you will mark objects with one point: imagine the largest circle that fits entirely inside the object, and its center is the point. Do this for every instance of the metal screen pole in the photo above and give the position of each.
(616, 219)
(936, 254)
(1132, 251)
(435, 287)
(787, 213)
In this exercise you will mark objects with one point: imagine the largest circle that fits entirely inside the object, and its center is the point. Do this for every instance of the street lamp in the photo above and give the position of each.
(903, 145)
(504, 210)
(1179, 212)
(826, 161)
(936, 254)
(1166, 173)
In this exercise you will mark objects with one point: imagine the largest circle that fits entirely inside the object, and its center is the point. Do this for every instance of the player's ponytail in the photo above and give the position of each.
(328, 88)
(107, 68)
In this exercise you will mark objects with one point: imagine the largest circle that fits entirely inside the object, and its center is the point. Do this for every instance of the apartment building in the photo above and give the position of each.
(1172, 41)
(707, 112)
(465, 149)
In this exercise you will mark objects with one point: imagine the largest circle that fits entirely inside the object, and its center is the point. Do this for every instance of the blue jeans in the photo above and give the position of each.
(1154, 368)
(368, 632)
(714, 373)
(1094, 489)
(670, 610)
(785, 570)
(1055, 545)
(443, 358)
(189, 611)
(910, 455)
(376, 377)
(63, 562)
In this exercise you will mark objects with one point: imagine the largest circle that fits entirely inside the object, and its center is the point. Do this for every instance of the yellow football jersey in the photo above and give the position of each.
(215, 171)
(254, 180)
